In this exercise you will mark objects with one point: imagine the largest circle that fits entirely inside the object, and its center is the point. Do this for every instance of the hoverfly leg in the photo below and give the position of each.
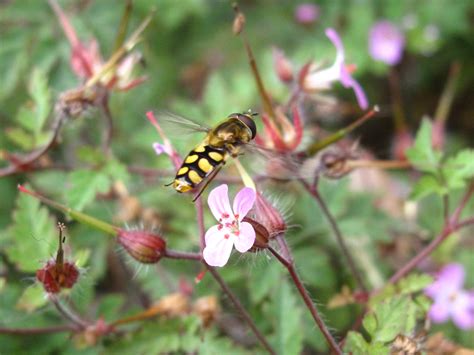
(171, 183)
(208, 181)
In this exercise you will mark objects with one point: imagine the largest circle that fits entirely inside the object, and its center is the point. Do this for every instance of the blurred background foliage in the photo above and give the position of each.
(197, 68)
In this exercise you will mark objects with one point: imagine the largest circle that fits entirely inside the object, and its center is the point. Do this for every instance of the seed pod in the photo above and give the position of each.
(55, 276)
(143, 246)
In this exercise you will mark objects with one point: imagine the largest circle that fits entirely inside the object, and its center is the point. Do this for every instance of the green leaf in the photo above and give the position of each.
(20, 137)
(426, 185)
(394, 316)
(262, 281)
(370, 324)
(288, 338)
(33, 117)
(39, 91)
(458, 169)
(414, 283)
(356, 344)
(84, 185)
(422, 155)
(32, 298)
(32, 237)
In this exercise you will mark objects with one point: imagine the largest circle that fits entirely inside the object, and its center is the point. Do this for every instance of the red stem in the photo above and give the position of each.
(241, 309)
(307, 300)
(340, 240)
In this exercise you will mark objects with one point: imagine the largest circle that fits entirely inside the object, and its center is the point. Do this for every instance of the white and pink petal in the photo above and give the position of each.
(246, 238)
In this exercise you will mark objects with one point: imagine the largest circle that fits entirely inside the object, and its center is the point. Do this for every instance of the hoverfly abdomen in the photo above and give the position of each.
(197, 165)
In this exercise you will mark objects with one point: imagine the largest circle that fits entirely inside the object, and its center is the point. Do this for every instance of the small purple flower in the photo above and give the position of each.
(230, 231)
(307, 14)
(450, 300)
(386, 42)
(322, 79)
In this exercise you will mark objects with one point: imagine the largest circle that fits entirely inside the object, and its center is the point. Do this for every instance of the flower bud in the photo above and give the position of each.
(283, 67)
(403, 140)
(55, 276)
(262, 236)
(143, 246)
(269, 216)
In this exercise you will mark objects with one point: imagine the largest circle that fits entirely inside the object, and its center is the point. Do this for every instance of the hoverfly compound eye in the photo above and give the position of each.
(247, 120)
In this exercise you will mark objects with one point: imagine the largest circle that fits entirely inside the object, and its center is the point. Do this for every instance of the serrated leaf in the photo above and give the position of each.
(356, 344)
(458, 169)
(32, 298)
(414, 283)
(394, 316)
(84, 185)
(426, 185)
(39, 91)
(32, 237)
(288, 338)
(422, 155)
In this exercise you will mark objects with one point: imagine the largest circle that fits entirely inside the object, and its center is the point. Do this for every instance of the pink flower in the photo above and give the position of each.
(316, 79)
(386, 42)
(450, 300)
(306, 14)
(230, 231)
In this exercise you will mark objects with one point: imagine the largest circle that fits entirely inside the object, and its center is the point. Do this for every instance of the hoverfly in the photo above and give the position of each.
(225, 140)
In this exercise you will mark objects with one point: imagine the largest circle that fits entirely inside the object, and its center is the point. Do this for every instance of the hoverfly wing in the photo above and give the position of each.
(280, 165)
(177, 126)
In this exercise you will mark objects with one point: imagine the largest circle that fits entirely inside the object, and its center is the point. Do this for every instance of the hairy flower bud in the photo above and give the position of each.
(143, 246)
(269, 216)
(55, 276)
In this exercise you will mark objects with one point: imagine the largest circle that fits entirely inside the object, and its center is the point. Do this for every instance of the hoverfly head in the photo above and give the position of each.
(247, 119)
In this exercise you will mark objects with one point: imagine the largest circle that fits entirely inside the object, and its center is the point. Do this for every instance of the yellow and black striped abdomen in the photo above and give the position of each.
(198, 164)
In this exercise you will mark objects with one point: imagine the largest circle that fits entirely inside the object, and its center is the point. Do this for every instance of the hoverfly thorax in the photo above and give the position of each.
(207, 158)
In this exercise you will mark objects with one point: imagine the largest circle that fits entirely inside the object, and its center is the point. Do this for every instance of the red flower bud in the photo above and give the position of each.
(143, 246)
(269, 216)
(283, 67)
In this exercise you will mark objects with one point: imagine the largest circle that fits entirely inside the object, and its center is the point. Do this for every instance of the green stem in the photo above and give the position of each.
(318, 146)
(76, 215)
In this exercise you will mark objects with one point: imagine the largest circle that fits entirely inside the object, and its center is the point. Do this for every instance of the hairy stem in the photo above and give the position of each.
(340, 239)
(182, 255)
(243, 312)
(307, 300)
(67, 313)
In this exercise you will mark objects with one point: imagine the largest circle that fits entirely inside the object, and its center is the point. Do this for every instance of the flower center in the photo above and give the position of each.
(232, 227)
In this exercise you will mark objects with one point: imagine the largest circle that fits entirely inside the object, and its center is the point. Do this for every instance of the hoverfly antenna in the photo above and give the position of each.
(250, 113)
